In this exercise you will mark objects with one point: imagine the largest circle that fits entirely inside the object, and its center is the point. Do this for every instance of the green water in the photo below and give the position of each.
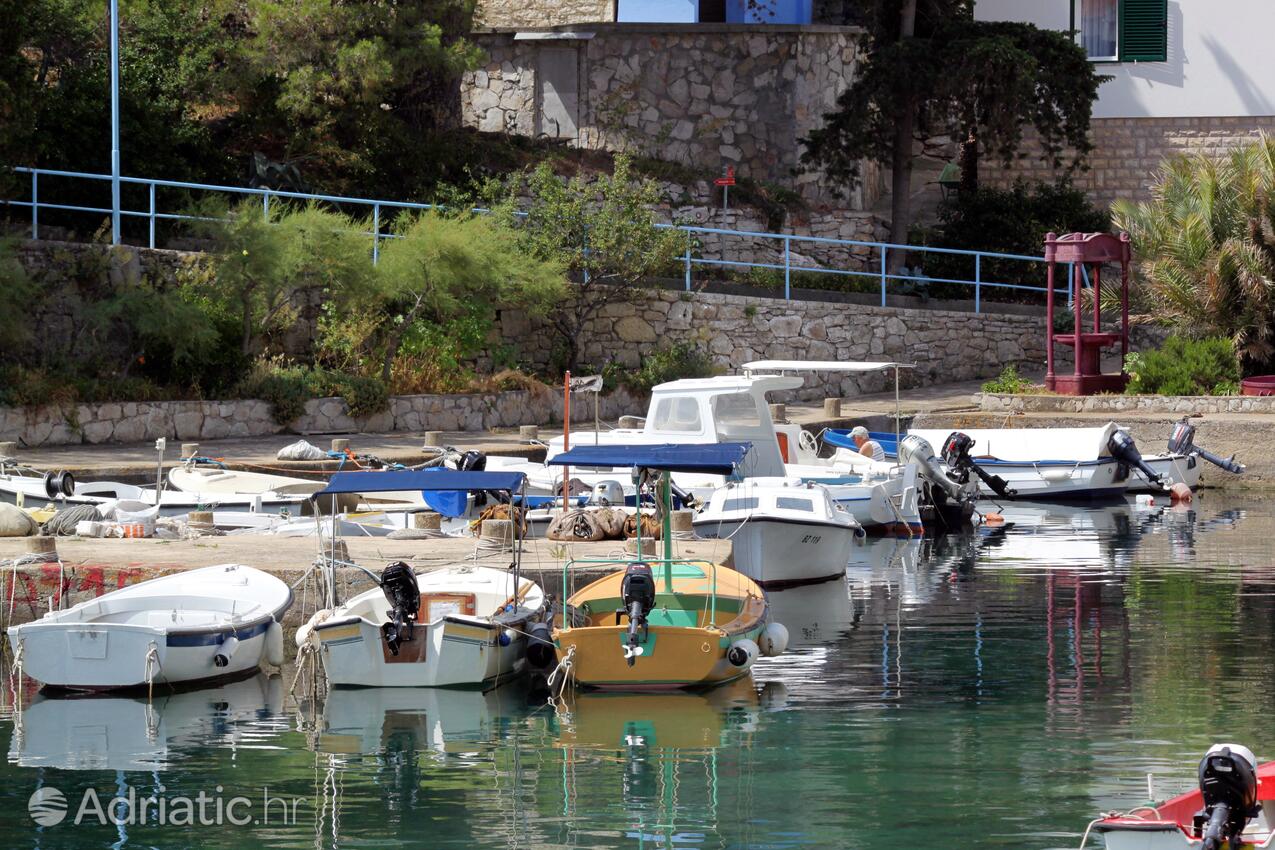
(995, 690)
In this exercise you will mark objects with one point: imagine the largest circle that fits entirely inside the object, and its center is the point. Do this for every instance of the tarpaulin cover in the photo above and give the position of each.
(712, 458)
(426, 480)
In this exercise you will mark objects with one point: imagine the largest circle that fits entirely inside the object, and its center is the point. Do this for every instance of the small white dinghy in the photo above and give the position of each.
(214, 481)
(783, 532)
(208, 623)
(459, 626)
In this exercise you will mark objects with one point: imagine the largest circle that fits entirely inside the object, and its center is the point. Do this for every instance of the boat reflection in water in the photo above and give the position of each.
(130, 733)
(368, 721)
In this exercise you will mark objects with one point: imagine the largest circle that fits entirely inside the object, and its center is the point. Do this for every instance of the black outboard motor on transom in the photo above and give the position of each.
(1124, 449)
(946, 500)
(1228, 783)
(1182, 442)
(956, 454)
(398, 582)
(637, 590)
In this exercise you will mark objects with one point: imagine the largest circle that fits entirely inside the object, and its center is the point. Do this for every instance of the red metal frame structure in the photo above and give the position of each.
(1087, 253)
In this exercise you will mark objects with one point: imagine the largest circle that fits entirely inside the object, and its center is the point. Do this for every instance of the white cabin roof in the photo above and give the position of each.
(730, 383)
(824, 365)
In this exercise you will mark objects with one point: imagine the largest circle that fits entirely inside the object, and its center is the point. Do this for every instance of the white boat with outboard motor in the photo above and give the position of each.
(196, 625)
(882, 497)
(455, 626)
(1020, 454)
(783, 532)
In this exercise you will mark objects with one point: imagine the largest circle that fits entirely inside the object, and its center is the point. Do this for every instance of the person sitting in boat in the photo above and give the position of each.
(866, 445)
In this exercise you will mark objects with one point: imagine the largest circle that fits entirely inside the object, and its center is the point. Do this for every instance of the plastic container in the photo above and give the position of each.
(1258, 385)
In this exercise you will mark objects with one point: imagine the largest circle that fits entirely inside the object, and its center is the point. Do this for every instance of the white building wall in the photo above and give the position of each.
(1221, 59)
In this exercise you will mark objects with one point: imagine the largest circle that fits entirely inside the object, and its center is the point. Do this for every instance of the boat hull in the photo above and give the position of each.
(677, 659)
(1056, 481)
(447, 653)
(778, 553)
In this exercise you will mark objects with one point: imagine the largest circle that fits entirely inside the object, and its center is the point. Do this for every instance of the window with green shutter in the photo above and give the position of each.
(1144, 30)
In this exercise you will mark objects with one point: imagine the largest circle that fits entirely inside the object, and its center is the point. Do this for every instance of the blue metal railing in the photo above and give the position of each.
(878, 270)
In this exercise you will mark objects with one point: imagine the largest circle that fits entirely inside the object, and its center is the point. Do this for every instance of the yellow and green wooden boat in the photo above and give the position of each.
(662, 623)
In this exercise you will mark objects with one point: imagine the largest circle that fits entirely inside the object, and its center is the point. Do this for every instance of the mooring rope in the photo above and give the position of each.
(152, 667)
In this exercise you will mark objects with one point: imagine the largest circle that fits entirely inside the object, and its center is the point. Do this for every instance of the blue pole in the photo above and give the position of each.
(978, 281)
(35, 205)
(376, 233)
(152, 227)
(884, 249)
(688, 264)
(115, 122)
(787, 269)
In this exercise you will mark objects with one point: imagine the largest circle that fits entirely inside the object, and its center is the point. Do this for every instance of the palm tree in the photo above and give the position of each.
(1205, 249)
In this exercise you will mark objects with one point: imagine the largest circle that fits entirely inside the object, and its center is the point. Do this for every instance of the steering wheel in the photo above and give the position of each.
(808, 442)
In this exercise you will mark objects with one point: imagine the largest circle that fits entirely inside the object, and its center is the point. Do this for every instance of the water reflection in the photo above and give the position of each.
(993, 688)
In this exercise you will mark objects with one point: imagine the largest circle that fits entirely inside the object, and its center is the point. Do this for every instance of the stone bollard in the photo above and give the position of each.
(498, 531)
(630, 422)
(832, 408)
(200, 519)
(528, 433)
(188, 450)
(428, 520)
(779, 413)
(681, 521)
(8, 449)
(340, 444)
(434, 439)
(41, 545)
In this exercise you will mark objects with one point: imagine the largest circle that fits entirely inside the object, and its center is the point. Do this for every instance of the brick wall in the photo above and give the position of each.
(1128, 152)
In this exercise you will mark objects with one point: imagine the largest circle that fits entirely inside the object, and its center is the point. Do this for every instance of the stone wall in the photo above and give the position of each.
(945, 346)
(1168, 405)
(703, 95)
(131, 422)
(1129, 151)
(542, 13)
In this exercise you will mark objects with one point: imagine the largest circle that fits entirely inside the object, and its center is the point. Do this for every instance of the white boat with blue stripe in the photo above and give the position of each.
(200, 625)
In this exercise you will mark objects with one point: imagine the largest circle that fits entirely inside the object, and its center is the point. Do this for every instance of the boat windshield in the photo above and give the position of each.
(677, 415)
(736, 417)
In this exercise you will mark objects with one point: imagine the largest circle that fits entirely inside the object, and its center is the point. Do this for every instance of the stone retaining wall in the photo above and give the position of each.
(131, 422)
(1169, 405)
(542, 13)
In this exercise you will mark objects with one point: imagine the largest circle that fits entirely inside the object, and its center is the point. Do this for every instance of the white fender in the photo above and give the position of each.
(743, 653)
(274, 644)
(306, 632)
(773, 640)
(226, 651)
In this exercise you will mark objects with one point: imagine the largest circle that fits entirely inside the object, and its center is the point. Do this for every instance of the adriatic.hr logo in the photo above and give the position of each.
(48, 807)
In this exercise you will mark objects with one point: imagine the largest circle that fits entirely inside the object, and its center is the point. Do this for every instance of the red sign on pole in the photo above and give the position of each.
(728, 179)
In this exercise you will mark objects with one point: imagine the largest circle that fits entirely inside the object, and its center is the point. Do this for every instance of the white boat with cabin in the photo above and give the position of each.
(783, 532)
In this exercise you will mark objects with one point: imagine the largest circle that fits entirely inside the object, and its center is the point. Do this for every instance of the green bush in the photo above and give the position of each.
(1005, 221)
(1185, 367)
(1009, 381)
(680, 360)
(287, 387)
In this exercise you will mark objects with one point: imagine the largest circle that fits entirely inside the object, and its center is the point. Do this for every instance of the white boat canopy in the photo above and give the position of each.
(823, 366)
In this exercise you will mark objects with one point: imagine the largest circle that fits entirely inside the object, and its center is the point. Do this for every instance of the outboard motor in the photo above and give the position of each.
(398, 582)
(1228, 783)
(956, 454)
(1123, 449)
(472, 461)
(917, 450)
(607, 493)
(637, 590)
(1182, 442)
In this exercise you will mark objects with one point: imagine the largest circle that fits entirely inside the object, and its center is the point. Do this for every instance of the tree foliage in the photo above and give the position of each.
(980, 82)
(603, 232)
(1205, 249)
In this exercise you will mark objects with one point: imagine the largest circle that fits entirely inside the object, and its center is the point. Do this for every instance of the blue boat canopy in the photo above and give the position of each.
(425, 480)
(713, 458)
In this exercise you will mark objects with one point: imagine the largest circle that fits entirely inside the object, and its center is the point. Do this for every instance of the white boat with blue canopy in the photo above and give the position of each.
(456, 626)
